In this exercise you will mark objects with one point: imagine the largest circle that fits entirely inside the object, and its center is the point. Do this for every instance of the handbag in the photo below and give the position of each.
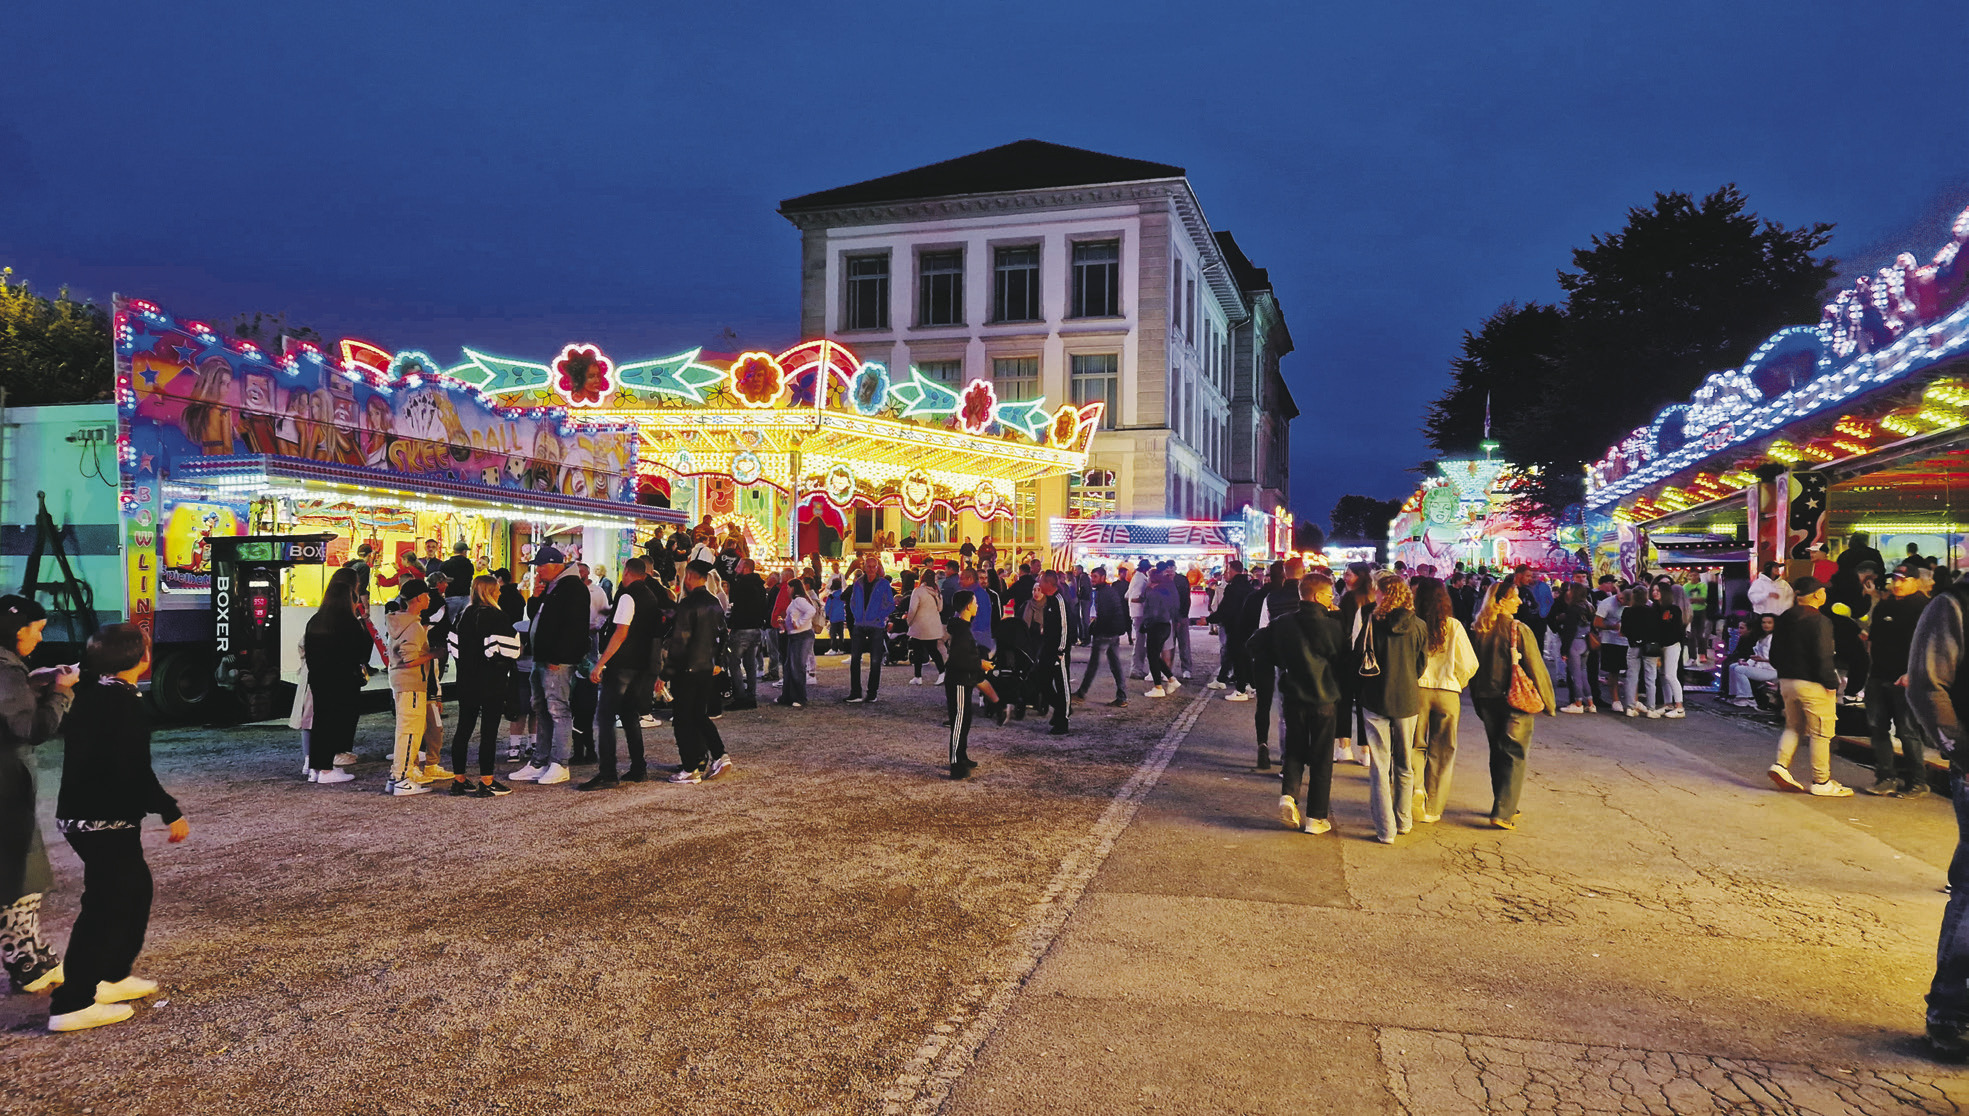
(1523, 695)
(1370, 666)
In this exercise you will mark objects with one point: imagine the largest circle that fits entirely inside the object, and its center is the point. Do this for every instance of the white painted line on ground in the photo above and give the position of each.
(952, 1045)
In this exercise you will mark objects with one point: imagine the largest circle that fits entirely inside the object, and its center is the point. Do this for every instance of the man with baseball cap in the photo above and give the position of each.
(560, 640)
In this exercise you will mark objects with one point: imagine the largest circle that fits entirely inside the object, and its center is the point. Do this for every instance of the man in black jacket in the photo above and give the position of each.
(1303, 649)
(559, 637)
(1105, 633)
(1230, 607)
(1052, 663)
(625, 673)
(1888, 639)
(691, 656)
(1802, 652)
(750, 615)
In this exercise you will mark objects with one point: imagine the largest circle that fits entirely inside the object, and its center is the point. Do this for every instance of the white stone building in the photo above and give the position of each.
(1070, 274)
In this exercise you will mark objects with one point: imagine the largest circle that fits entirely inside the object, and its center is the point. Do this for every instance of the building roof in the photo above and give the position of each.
(1250, 279)
(1028, 164)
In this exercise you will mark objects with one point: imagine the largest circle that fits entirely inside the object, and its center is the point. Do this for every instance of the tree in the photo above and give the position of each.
(1685, 289)
(52, 350)
(1362, 519)
(266, 329)
(1307, 536)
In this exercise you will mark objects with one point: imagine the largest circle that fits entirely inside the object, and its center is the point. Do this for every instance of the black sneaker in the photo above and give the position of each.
(959, 771)
(481, 790)
(461, 789)
(1948, 1043)
(600, 782)
(1913, 790)
(1264, 758)
(869, 700)
(1117, 703)
(1018, 713)
(498, 789)
(1057, 730)
(1000, 714)
(636, 773)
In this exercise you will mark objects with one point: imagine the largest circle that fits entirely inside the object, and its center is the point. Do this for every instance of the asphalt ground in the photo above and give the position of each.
(1108, 922)
(781, 939)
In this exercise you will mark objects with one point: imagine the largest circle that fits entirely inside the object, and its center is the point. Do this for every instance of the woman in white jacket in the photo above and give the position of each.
(926, 629)
(1452, 663)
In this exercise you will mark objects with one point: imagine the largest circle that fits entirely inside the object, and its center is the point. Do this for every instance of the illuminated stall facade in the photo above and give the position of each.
(1465, 514)
(1860, 423)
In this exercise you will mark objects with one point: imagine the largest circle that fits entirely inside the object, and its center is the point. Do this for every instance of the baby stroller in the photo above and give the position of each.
(1013, 665)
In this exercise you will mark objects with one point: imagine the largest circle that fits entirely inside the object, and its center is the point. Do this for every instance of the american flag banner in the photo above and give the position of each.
(1124, 533)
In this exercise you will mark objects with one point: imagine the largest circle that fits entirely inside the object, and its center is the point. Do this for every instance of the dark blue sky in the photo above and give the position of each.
(517, 175)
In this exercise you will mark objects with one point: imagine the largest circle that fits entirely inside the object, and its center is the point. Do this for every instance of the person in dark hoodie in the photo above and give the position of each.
(1937, 691)
(108, 788)
(1888, 639)
(1802, 652)
(1356, 607)
(1303, 649)
(964, 676)
(1390, 696)
(31, 709)
(1105, 633)
(558, 636)
(693, 654)
(485, 647)
(1230, 606)
(1244, 625)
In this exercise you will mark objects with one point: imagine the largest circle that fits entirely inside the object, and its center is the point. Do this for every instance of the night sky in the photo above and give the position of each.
(513, 176)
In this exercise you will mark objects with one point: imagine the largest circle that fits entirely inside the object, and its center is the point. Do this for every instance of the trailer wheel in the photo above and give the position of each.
(182, 682)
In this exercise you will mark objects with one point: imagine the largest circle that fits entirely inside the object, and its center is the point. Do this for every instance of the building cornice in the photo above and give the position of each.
(972, 205)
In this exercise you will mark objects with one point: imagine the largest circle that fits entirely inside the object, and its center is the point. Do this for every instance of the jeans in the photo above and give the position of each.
(745, 650)
(1665, 667)
(873, 642)
(553, 713)
(1085, 608)
(1157, 633)
(1436, 725)
(1887, 703)
(1139, 664)
(1226, 666)
(1743, 674)
(624, 697)
(835, 641)
(109, 932)
(1509, 734)
(922, 651)
(1111, 645)
(1576, 685)
(1306, 747)
(698, 742)
(1391, 785)
(1948, 995)
(1181, 630)
(793, 673)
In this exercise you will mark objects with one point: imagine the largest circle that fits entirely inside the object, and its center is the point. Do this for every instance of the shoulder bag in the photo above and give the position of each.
(1523, 695)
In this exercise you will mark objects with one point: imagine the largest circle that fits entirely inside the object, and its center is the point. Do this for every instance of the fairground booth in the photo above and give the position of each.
(1254, 538)
(1857, 424)
(1465, 514)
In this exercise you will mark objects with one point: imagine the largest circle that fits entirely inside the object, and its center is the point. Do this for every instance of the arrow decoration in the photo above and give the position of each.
(919, 396)
(497, 375)
(1028, 417)
(680, 376)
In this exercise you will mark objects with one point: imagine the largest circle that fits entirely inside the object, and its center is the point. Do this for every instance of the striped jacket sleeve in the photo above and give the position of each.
(502, 647)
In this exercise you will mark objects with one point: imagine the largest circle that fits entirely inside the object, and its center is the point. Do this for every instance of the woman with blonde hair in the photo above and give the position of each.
(1503, 643)
(485, 647)
(1451, 663)
(1390, 698)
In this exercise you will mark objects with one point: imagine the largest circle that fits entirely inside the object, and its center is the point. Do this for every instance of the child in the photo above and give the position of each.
(966, 673)
(410, 686)
(107, 788)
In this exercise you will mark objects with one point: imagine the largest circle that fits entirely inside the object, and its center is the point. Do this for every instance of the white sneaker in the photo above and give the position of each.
(95, 1015)
(1653, 714)
(941, 676)
(1156, 692)
(1213, 684)
(1573, 708)
(332, 775)
(1633, 711)
(1675, 714)
(1288, 811)
(129, 988)
(1431, 819)
(1186, 674)
(1172, 683)
(718, 767)
(1343, 753)
(527, 774)
(404, 788)
(1238, 695)
(916, 681)
(1316, 825)
(1785, 780)
(1832, 788)
(345, 759)
(555, 773)
(1619, 708)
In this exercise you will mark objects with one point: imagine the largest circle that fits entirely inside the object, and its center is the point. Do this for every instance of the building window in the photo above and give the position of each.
(1015, 297)
(1097, 379)
(1025, 514)
(1090, 495)
(1189, 317)
(941, 297)
(1097, 279)
(949, 372)
(1015, 379)
(868, 293)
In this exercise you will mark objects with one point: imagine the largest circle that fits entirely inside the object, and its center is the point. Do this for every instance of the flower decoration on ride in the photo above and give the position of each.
(583, 376)
(1065, 426)
(757, 379)
(839, 485)
(984, 499)
(745, 467)
(917, 494)
(411, 367)
(975, 408)
(870, 388)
